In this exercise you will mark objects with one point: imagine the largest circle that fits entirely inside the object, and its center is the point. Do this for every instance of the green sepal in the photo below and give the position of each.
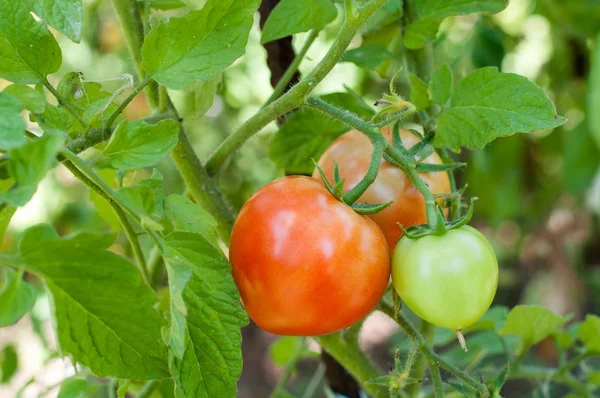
(367, 208)
(496, 385)
(422, 145)
(325, 180)
(338, 189)
(428, 167)
(396, 136)
(464, 219)
(336, 172)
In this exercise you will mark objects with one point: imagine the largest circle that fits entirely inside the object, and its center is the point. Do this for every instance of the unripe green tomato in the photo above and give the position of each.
(448, 280)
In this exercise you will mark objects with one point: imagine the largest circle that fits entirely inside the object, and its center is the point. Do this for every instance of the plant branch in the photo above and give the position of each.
(130, 19)
(63, 103)
(127, 227)
(436, 378)
(354, 360)
(574, 362)
(126, 102)
(426, 349)
(294, 98)
(293, 68)
(427, 330)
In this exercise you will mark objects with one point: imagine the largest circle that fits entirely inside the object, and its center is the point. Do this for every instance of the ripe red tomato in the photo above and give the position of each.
(449, 280)
(305, 263)
(352, 152)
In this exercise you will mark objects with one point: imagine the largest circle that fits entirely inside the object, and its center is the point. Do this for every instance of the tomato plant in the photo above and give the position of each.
(158, 192)
(352, 153)
(305, 263)
(449, 280)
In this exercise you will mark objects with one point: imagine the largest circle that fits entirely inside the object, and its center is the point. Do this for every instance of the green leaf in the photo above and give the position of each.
(104, 209)
(139, 144)
(492, 320)
(418, 93)
(488, 104)
(28, 165)
(295, 16)
(32, 100)
(430, 14)
(203, 95)
(367, 56)
(589, 333)
(307, 133)
(104, 312)
(199, 45)
(17, 297)
(12, 126)
(564, 339)
(64, 15)
(93, 104)
(440, 86)
(189, 217)
(76, 388)
(532, 323)
(288, 349)
(28, 50)
(8, 211)
(593, 99)
(9, 363)
(206, 317)
(388, 13)
(54, 119)
(164, 4)
(140, 198)
(155, 182)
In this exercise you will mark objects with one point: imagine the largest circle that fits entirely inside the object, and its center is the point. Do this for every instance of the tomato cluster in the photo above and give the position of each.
(306, 263)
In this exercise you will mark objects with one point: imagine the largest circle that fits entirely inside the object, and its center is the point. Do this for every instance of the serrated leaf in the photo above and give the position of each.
(307, 133)
(28, 165)
(189, 217)
(65, 16)
(532, 323)
(32, 100)
(488, 104)
(589, 333)
(140, 198)
(440, 86)
(76, 388)
(138, 144)
(295, 16)
(104, 313)
(9, 362)
(430, 14)
(418, 93)
(16, 297)
(367, 56)
(593, 99)
(206, 317)
(12, 126)
(164, 4)
(28, 51)
(199, 45)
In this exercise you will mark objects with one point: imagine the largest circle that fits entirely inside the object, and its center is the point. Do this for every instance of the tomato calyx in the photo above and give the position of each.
(396, 107)
(441, 225)
(337, 190)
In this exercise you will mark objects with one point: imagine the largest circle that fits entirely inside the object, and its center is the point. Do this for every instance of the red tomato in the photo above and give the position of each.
(352, 151)
(305, 263)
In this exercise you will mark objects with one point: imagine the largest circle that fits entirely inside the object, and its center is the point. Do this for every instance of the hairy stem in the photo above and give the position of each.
(436, 378)
(294, 98)
(349, 354)
(130, 19)
(427, 330)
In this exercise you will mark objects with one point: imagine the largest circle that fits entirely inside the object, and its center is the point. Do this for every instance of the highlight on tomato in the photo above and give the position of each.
(352, 152)
(305, 263)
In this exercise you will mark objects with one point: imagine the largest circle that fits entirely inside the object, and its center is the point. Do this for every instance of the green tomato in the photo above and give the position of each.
(448, 280)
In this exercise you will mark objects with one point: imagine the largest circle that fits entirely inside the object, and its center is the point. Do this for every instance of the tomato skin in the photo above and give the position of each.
(305, 263)
(448, 280)
(352, 151)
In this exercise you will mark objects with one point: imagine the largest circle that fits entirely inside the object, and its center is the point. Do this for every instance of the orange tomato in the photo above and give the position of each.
(305, 263)
(352, 152)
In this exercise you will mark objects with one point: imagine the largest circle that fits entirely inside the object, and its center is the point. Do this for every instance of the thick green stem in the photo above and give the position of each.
(201, 186)
(148, 389)
(427, 330)
(126, 102)
(436, 378)
(426, 349)
(349, 354)
(133, 29)
(291, 70)
(547, 375)
(294, 98)
(65, 104)
(574, 362)
(129, 231)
